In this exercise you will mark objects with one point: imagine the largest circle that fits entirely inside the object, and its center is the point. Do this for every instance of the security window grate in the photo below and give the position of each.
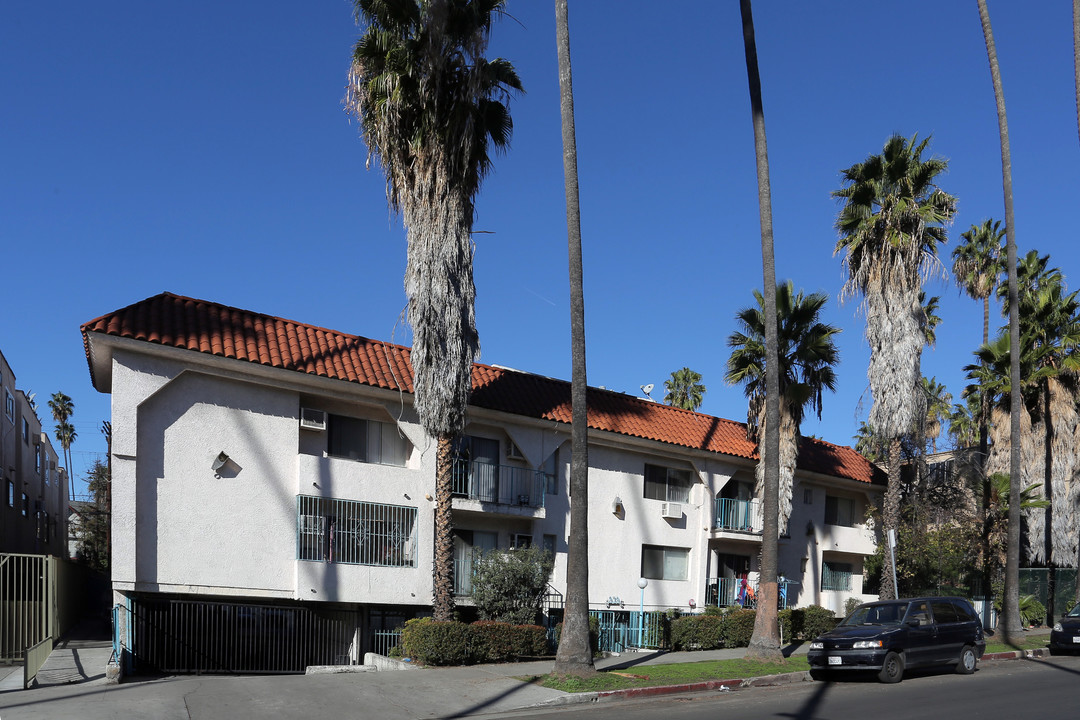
(354, 532)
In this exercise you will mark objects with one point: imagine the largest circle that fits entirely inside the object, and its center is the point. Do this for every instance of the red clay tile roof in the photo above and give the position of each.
(207, 327)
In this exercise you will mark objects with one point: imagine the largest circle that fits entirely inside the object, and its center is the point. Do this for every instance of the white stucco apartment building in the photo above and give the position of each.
(264, 462)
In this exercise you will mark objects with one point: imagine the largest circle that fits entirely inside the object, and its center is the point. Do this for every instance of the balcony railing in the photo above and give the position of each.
(738, 515)
(739, 592)
(503, 484)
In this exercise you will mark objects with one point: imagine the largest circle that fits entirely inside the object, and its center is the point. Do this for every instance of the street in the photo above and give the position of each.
(999, 689)
(1018, 688)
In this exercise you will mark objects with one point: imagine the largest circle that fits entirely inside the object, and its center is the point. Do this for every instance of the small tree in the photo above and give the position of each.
(93, 534)
(509, 586)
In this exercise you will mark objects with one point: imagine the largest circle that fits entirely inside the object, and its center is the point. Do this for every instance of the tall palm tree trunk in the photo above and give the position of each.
(574, 655)
(443, 605)
(890, 515)
(1076, 72)
(1011, 601)
(981, 463)
(765, 641)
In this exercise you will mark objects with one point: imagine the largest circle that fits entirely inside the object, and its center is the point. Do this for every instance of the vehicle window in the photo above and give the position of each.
(886, 614)
(964, 612)
(920, 612)
(944, 612)
(1075, 612)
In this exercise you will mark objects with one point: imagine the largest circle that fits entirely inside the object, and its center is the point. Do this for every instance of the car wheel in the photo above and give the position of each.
(966, 666)
(892, 670)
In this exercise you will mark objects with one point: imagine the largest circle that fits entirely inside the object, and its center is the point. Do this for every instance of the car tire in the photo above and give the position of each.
(968, 661)
(892, 670)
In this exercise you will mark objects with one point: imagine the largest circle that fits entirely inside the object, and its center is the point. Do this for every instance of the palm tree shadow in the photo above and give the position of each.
(809, 709)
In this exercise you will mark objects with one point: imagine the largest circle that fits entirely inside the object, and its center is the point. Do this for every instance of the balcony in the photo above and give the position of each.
(740, 516)
(739, 592)
(516, 490)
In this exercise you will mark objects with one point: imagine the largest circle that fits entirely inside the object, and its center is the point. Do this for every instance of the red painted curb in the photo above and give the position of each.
(730, 684)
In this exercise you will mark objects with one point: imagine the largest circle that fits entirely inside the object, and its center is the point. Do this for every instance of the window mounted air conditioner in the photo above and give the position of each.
(311, 419)
(671, 511)
(513, 452)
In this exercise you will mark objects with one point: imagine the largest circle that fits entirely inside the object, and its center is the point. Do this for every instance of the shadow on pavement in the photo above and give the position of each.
(809, 709)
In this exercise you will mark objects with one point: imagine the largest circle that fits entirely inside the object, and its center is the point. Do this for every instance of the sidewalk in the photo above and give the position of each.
(423, 693)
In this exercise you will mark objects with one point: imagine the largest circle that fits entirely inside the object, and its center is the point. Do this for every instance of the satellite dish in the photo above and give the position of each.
(647, 389)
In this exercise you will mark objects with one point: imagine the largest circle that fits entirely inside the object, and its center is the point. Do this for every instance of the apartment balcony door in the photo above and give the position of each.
(469, 545)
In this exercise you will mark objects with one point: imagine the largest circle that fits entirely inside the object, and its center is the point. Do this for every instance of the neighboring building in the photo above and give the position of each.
(267, 462)
(33, 506)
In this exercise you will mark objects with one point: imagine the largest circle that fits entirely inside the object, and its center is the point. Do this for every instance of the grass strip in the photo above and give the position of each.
(1028, 643)
(672, 674)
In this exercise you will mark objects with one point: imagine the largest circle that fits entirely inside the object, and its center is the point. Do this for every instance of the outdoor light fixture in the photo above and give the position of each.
(616, 505)
(219, 461)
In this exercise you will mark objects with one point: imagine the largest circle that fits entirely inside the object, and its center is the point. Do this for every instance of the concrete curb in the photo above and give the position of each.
(1017, 654)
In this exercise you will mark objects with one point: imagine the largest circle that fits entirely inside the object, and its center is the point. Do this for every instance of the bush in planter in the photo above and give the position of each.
(436, 643)
(698, 632)
(815, 621)
(509, 586)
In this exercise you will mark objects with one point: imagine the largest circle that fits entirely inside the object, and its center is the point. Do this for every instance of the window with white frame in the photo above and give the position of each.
(366, 440)
(667, 484)
(9, 406)
(664, 563)
(839, 511)
(354, 532)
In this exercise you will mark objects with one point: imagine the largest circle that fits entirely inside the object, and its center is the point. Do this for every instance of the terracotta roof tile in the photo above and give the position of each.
(207, 327)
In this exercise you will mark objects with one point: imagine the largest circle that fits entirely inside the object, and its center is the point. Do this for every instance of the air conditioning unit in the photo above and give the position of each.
(671, 511)
(513, 452)
(311, 419)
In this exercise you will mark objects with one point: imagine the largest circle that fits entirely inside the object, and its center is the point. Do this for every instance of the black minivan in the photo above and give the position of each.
(892, 635)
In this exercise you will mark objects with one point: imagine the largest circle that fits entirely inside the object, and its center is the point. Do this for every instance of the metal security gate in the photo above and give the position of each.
(196, 636)
(28, 603)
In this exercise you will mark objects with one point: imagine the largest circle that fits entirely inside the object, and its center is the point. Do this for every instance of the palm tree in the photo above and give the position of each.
(430, 107)
(938, 409)
(978, 264)
(807, 357)
(684, 389)
(62, 408)
(1011, 603)
(765, 640)
(574, 654)
(868, 444)
(891, 223)
(930, 317)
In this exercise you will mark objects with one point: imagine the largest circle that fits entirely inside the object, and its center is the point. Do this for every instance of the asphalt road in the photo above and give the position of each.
(1047, 689)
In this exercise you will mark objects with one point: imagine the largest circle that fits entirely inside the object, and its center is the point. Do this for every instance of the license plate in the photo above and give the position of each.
(1076, 639)
(833, 660)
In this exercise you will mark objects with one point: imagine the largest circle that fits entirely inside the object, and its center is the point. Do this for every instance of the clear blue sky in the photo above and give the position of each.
(201, 148)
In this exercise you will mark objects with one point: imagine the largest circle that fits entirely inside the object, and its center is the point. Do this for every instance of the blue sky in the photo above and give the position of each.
(202, 149)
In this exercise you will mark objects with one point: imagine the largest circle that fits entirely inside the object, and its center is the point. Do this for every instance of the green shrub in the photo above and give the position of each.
(509, 586)
(436, 643)
(740, 628)
(850, 604)
(1032, 612)
(698, 632)
(807, 622)
(816, 621)
(500, 642)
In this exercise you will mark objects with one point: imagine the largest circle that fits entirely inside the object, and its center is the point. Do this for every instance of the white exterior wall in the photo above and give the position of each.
(179, 527)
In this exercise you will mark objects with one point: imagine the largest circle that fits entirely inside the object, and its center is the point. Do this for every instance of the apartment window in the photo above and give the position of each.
(808, 496)
(353, 532)
(25, 506)
(10, 494)
(9, 406)
(835, 575)
(549, 544)
(667, 484)
(551, 473)
(25, 432)
(664, 563)
(45, 527)
(839, 511)
(366, 440)
(519, 541)
(37, 460)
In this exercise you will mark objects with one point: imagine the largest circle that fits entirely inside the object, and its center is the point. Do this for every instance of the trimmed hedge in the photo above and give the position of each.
(727, 629)
(458, 643)
(806, 623)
